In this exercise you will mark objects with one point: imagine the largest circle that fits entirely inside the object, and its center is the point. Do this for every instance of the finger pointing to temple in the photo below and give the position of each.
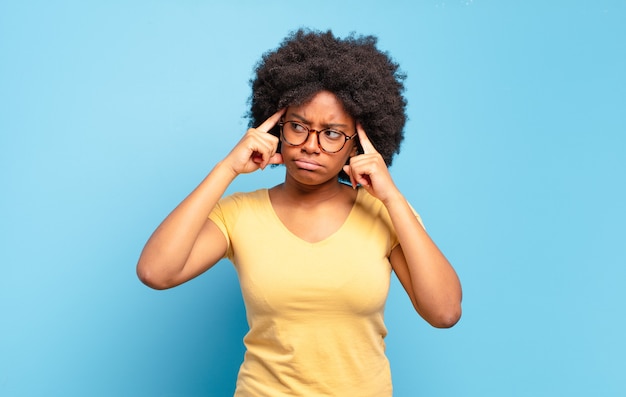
(365, 142)
(271, 121)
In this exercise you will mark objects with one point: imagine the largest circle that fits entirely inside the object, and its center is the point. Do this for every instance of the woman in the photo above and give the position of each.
(313, 254)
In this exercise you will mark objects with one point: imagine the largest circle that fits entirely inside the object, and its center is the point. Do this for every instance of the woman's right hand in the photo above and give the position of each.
(257, 148)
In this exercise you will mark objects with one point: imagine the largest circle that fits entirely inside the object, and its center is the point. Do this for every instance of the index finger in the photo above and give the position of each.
(367, 146)
(271, 121)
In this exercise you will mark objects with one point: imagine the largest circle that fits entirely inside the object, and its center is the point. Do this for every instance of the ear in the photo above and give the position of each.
(354, 151)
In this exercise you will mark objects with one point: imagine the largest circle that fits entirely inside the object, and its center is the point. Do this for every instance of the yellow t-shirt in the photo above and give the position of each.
(315, 310)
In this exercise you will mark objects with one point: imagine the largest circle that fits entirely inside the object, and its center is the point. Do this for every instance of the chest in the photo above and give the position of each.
(312, 226)
(345, 269)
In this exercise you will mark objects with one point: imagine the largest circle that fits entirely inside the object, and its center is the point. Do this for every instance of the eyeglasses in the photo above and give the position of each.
(295, 133)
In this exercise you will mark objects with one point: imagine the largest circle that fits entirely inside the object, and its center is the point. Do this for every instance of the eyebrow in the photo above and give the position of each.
(328, 125)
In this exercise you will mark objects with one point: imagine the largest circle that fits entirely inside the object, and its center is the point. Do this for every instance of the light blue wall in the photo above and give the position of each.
(112, 111)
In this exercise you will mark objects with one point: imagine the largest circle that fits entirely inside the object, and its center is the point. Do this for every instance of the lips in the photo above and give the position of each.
(307, 164)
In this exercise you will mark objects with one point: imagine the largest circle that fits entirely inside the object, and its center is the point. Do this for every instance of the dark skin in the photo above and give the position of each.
(311, 203)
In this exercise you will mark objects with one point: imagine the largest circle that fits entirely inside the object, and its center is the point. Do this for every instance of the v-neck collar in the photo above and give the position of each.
(300, 239)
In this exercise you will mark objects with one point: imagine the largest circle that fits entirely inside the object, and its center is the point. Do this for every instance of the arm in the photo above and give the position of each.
(425, 273)
(187, 243)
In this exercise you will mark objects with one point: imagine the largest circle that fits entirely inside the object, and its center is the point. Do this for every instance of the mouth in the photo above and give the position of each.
(307, 164)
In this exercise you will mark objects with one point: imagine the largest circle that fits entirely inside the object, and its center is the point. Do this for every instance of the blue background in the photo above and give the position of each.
(112, 111)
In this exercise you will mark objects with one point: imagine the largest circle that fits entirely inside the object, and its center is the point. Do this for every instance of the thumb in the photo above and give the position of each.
(277, 158)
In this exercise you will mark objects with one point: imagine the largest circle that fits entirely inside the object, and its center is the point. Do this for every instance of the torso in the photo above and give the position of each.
(315, 309)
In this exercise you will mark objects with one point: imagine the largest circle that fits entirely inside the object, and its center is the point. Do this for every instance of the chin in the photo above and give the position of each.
(311, 178)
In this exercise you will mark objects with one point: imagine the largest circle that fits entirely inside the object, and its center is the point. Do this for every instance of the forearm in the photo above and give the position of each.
(436, 288)
(168, 249)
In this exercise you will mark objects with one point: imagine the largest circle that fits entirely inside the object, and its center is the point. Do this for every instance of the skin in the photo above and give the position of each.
(311, 203)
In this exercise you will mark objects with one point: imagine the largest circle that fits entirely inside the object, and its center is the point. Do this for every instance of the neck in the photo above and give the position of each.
(311, 194)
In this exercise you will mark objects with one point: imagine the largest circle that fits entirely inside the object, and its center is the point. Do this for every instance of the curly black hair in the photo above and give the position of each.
(366, 80)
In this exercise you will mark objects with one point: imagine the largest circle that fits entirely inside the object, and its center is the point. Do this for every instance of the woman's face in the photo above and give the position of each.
(307, 163)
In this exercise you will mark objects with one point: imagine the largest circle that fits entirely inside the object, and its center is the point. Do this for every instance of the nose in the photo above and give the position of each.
(311, 144)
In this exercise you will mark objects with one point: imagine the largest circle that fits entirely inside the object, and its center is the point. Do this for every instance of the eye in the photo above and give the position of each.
(297, 127)
(333, 135)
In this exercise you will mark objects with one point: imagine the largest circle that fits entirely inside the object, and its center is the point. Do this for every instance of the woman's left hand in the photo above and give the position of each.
(370, 171)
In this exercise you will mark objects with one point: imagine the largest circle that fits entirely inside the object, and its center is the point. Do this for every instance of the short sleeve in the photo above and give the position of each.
(219, 216)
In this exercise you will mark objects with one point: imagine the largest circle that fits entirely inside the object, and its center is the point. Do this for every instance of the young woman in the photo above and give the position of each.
(314, 254)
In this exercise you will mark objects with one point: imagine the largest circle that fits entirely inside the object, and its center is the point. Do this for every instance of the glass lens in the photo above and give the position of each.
(329, 140)
(295, 133)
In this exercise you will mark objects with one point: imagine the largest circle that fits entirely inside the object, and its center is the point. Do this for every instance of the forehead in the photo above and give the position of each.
(323, 106)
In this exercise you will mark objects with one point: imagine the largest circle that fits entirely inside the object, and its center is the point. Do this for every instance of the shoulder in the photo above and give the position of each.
(369, 210)
(230, 208)
(369, 203)
(375, 207)
(244, 198)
